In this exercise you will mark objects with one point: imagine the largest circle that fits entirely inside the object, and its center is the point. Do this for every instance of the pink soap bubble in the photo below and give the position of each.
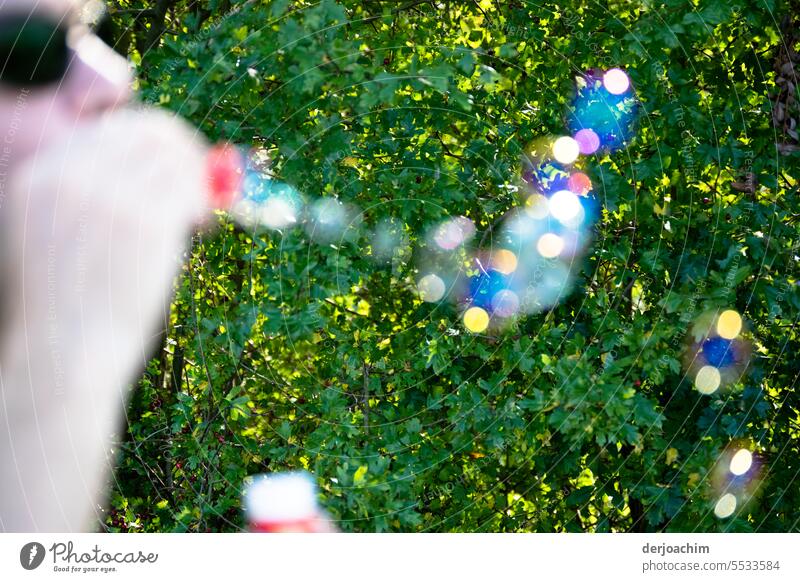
(588, 141)
(616, 81)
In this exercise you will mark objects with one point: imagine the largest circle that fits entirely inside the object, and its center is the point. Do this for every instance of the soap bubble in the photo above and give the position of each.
(267, 203)
(735, 478)
(566, 208)
(725, 506)
(453, 233)
(604, 105)
(484, 285)
(389, 241)
(503, 261)
(537, 206)
(505, 303)
(431, 288)
(588, 141)
(718, 351)
(741, 462)
(542, 172)
(616, 81)
(579, 183)
(566, 150)
(550, 245)
(476, 319)
(729, 324)
(330, 220)
(707, 380)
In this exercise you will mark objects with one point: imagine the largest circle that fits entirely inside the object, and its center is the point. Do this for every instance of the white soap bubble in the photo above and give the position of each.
(330, 220)
(566, 150)
(616, 81)
(725, 506)
(566, 207)
(431, 288)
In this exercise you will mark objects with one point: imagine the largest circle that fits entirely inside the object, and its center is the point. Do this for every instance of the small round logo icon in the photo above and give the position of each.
(31, 555)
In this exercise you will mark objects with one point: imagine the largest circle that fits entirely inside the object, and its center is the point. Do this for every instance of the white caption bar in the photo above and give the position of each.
(388, 557)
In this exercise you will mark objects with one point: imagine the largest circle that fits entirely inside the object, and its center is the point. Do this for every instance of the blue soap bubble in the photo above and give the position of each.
(484, 286)
(719, 352)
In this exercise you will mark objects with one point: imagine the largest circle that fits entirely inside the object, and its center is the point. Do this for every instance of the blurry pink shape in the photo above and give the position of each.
(452, 233)
(616, 81)
(579, 183)
(588, 141)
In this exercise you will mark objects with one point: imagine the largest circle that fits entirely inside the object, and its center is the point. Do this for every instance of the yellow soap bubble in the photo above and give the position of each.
(707, 380)
(476, 319)
(729, 324)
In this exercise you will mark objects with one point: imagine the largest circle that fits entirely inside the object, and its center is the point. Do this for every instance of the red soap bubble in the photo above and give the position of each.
(224, 168)
(579, 183)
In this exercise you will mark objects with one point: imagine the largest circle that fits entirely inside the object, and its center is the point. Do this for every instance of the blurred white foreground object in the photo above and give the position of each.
(284, 503)
(92, 235)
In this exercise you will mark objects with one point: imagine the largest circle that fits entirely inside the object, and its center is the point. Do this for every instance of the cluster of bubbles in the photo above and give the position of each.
(717, 357)
(530, 265)
(735, 479)
(262, 202)
(603, 111)
(718, 351)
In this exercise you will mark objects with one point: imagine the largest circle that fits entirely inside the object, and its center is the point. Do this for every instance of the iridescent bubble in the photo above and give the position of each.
(566, 150)
(609, 116)
(265, 202)
(453, 233)
(736, 473)
(431, 288)
(616, 81)
(476, 319)
(588, 141)
(741, 462)
(549, 283)
(555, 283)
(521, 228)
(542, 171)
(280, 211)
(712, 359)
(451, 265)
(725, 506)
(574, 242)
(719, 352)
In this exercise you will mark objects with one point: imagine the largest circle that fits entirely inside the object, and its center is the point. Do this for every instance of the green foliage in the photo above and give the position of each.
(282, 354)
